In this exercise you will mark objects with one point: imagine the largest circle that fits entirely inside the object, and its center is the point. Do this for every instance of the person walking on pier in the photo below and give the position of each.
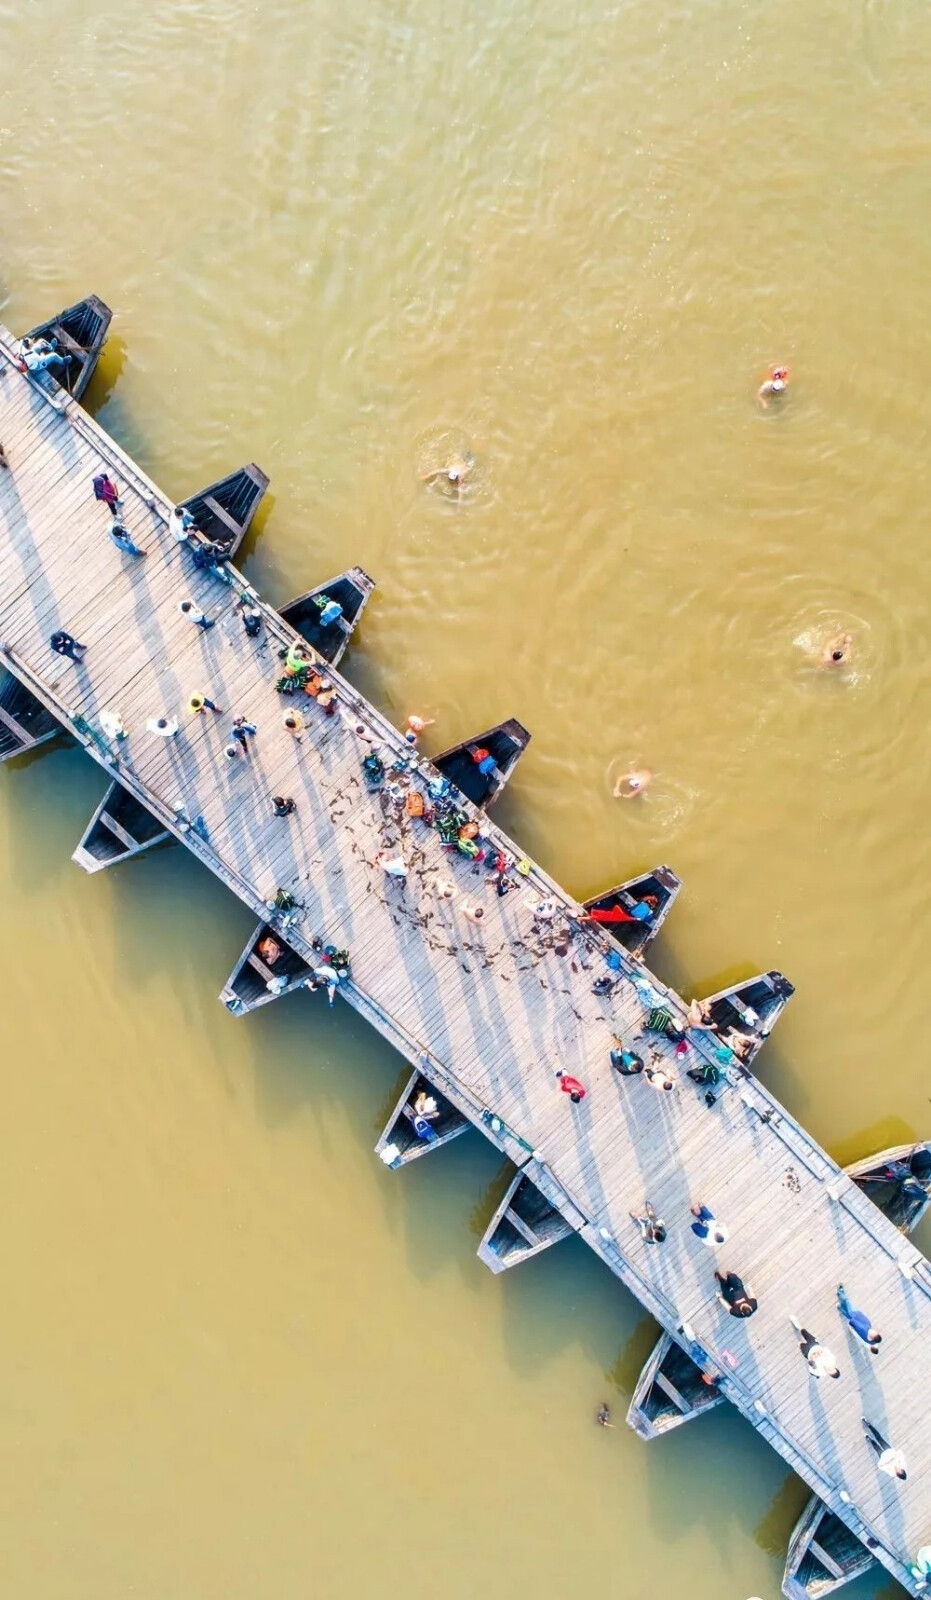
(652, 1228)
(294, 722)
(571, 1086)
(65, 645)
(106, 492)
(165, 727)
(735, 1295)
(123, 539)
(199, 704)
(283, 805)
(194, 614)
(858, 1321)
(887, 1459)
(242, 731)
(821, 1361)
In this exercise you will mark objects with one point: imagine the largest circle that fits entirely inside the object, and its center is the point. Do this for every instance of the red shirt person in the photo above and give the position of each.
(571, 1086)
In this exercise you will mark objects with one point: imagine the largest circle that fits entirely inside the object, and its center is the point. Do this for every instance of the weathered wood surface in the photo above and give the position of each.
(486, 1012)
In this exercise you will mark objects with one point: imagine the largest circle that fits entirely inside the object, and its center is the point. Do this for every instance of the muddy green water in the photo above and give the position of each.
(242, 1360)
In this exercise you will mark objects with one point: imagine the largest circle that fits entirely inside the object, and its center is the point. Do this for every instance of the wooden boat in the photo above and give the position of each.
(504, 743)
(524, 1225)
(120, 828)
(80, 331)
(750, 1008)
(898, 1181)
(255, 979)
(671, 1390)
(660, 885)
(352, 591)
(400, 1143)
(25, 722)
(823, 1554)
(224, 510)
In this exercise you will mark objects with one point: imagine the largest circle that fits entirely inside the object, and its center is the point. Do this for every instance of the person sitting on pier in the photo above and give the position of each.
(699, 1014)
(821, 1361)
(181, 524)
(41, 355)
(735, 1295)
(626, 1062)
(283, 805)
(652, 1228)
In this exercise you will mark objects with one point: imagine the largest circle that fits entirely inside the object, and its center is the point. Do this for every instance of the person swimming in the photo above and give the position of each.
(836, 651)
(632, 783)
(773, 386)
(452, 477)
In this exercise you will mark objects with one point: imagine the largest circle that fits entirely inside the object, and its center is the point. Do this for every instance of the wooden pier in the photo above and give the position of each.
(484, 1011)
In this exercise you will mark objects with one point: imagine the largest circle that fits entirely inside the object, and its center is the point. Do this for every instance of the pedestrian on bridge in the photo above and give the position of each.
(123, 539)
(194, 614)
(199, 704)
(571, 1086)
(887, 1459)
(858, 1321)
(106, 492)
(735, 1295)
(821, 1360)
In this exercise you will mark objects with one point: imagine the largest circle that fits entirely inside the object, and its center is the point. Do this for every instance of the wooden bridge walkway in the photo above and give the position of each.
(487, 1011)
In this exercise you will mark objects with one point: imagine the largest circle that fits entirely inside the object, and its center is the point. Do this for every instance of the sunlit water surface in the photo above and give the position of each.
(242, 1360)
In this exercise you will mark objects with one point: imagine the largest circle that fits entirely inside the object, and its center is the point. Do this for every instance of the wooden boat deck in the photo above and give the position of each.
(486, 1012)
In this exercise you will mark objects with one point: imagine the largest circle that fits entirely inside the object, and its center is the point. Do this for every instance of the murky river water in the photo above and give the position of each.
(242, 1359)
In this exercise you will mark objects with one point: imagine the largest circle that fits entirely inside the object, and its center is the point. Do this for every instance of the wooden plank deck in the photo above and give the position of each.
(487, 1012)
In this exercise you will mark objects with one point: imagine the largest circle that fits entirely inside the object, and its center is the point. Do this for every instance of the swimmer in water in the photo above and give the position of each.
(453, 476)
(773, 386)
(632, 783)
(603, 1416)
(836, 651)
